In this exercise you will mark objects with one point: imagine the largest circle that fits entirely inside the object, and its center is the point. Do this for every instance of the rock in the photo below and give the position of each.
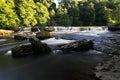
(39, 47)
(43, 35)
(106, 49)
(23, 50)
(114, 28)
(77, 46)
(20, 37)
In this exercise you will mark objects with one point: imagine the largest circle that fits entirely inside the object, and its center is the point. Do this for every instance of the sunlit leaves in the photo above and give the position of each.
(42, 14)
(27, 13)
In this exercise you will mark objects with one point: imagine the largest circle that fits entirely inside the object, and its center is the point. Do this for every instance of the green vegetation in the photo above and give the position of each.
(24, 13)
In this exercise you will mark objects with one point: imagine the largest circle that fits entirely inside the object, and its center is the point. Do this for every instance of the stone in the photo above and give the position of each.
(39, 47)
(43, 35)
(82, 45)
(23, 50)
(114, 28)
(19, 37)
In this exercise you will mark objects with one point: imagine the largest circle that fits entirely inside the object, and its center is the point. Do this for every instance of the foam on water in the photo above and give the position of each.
(8, 52)
(53, 41)
(1, 40)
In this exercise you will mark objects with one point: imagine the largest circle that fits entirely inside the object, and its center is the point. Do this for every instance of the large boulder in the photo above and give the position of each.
(77, 46)
(43, 35)
(39, 47)
(23, 50)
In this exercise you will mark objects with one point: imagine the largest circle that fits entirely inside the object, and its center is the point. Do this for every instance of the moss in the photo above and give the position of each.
(39, 48)
(23, 50)
(43, 35)
(77, 46)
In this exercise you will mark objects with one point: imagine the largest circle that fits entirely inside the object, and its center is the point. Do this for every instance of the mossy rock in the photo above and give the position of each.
(39, 47)
(77, 46)
(23, 50)
(43, 35)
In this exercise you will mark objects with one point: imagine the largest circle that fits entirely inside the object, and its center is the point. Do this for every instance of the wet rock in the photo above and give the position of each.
(39, 47)
(106, 48)
(77, 46)
(23, 50)
(43, 35)
(114, 28)
(20, 37)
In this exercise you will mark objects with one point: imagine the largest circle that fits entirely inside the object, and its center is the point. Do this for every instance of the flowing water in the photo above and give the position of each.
(71, 66)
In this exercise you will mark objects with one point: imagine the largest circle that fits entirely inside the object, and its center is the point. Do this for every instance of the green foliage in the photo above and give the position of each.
(27, 12)
(101, 17)
(62, 18)
(42, 14)
(87, 14)
(8, 16)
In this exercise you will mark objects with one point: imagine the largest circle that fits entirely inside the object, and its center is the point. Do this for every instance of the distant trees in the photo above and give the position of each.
(29, 13)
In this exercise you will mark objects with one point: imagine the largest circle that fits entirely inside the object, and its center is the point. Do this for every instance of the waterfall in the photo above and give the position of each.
(89, 28)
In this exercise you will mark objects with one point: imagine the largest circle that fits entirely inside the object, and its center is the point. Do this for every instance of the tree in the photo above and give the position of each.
(101, 14)
(62, 18)
(74, 13)
(52, 22)
(42, 14)
(8, 16)
(87, 14)
(26, 12)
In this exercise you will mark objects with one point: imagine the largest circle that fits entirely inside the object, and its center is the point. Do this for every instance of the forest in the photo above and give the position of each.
(30, 13)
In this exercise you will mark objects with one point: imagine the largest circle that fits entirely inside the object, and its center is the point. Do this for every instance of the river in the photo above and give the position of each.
(56, 66)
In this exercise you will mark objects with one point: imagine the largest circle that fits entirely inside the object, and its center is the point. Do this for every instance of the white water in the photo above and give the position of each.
(1, 40)
(76, 29)
(53, 41)
(8, 52)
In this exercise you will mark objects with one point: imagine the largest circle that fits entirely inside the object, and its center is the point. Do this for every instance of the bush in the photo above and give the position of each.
(43, 35)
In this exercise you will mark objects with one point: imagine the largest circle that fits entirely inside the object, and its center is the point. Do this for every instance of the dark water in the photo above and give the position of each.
(71, 66)
(50, 67)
